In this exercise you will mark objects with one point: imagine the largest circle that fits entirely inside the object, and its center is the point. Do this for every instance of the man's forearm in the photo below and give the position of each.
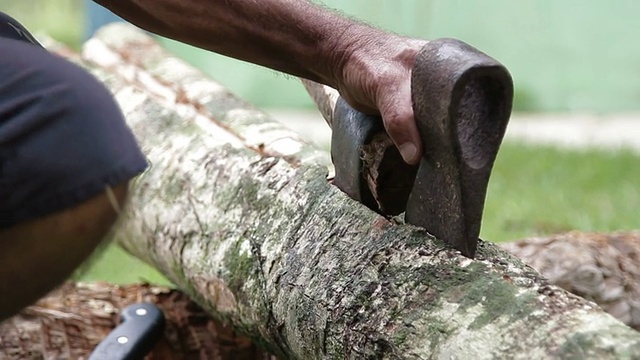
(370, 68)
(293, 36)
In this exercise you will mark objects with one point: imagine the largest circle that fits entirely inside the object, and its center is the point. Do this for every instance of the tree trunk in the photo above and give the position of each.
(238, 212)
(600, 267)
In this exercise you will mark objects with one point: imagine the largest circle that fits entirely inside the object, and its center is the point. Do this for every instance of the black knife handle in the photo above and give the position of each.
(141, 327)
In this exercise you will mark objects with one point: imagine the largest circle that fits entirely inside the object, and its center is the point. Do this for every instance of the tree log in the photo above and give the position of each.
(600, 267)
(238, 213)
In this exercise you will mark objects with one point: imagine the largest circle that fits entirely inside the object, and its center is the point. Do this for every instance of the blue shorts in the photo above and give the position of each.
(63, 138)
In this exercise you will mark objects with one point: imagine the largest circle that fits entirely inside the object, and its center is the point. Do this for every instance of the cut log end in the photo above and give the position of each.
(603, 268)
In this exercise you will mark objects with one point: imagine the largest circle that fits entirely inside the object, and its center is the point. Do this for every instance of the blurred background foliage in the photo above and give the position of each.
(63, 20)
(565, 56)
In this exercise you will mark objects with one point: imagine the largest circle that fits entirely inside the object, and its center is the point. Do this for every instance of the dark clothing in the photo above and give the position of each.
(63, 138)
(10, 28)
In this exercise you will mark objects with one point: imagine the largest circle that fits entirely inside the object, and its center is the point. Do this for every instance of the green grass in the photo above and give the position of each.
(117, 266)
(542, 190)
(533, 191)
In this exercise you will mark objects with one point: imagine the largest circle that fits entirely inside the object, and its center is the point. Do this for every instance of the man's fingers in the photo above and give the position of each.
(377, 80)
(396, 109)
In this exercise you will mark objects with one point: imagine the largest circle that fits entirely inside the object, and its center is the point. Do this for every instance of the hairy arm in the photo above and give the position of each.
(370, 68)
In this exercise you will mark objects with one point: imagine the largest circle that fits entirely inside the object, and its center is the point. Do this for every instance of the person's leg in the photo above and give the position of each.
(66, 157)
(37, 255)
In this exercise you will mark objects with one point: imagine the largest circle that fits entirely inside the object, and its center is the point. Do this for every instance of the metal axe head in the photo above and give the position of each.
(378, 178)
(462, 103)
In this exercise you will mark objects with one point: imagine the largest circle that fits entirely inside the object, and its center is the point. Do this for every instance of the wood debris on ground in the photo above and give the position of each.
(71, 321)
(601, 267)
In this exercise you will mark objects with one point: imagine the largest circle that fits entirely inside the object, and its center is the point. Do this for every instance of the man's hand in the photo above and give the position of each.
(370, 68)
(375, 78)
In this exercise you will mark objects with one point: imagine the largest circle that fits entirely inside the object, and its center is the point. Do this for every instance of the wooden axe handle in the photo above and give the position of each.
(324, 96)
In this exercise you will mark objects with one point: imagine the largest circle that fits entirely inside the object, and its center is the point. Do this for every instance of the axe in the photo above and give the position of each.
(462, 102)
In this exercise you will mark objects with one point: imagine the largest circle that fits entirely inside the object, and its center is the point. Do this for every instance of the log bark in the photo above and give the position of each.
(601, 267)
(238, 213)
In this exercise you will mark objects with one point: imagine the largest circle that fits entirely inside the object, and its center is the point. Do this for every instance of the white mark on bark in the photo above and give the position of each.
(466, 262)
(245, 248)
(100, 54)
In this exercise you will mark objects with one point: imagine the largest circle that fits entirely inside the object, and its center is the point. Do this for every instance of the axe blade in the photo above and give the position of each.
(462, 103)
(350, 131)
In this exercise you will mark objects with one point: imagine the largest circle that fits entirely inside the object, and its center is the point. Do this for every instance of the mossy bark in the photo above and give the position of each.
(238, 212)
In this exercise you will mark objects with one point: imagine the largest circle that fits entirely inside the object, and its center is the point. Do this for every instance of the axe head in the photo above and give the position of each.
(381, 182)
(350, 131)
(462, 103)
